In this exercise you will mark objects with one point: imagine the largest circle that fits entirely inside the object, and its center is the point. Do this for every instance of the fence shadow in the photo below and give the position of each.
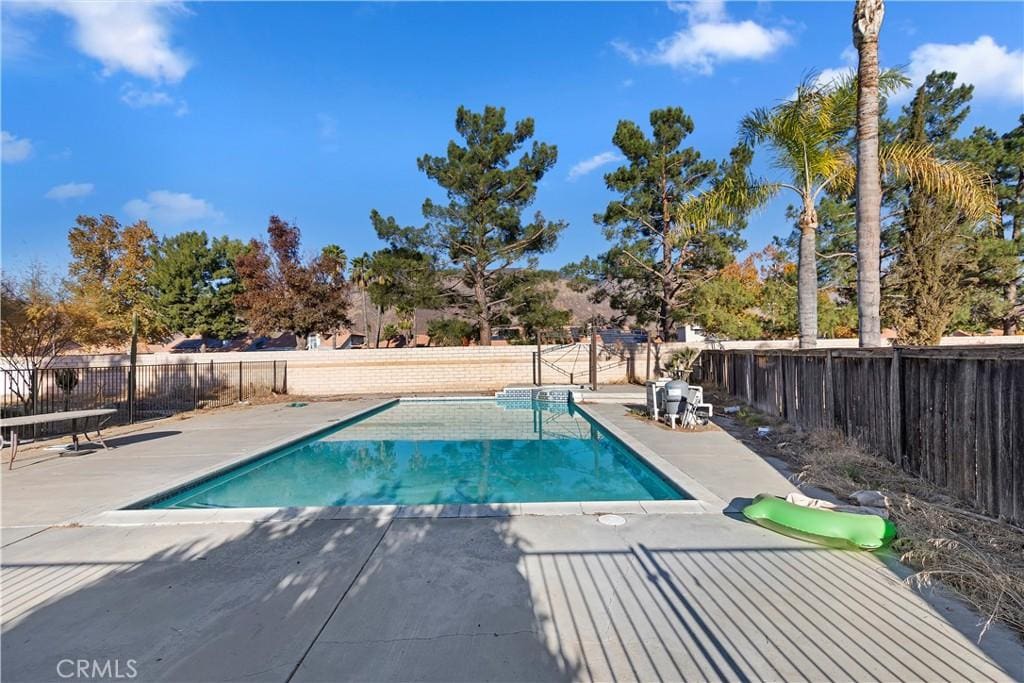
(747, 614)
(461, 599)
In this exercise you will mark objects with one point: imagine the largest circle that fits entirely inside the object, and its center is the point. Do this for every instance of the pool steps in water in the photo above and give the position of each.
(553, 394)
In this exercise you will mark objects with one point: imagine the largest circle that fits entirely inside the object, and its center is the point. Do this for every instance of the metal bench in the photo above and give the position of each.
(74, 416)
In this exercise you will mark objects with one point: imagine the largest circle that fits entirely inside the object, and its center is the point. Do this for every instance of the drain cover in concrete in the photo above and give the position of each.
(611, 520)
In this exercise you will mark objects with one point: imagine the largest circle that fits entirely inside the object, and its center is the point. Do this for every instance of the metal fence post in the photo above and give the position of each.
(273, 387)
(195, 385)
(537, 377)
(239, 381)
(593, 355)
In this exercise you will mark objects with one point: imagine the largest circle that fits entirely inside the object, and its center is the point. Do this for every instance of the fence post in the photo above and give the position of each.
(132, 362)
(33, 393)
(593, 355)
(284, 389)
(830, 411)
(273, 387)
(239, 381)
(195, 385)
(781, 387)
(538, 371)
(896, 408)
(750, 378)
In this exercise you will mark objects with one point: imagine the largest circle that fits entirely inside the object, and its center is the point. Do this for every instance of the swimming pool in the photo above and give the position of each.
(440, 452)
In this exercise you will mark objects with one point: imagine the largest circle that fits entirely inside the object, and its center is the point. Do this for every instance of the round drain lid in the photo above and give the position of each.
(612, 520)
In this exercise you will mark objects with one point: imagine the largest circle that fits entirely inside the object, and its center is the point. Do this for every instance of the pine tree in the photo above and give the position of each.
(1002, 157)
(949, 269)
(670, 229)
(480, 233)
(194, 283)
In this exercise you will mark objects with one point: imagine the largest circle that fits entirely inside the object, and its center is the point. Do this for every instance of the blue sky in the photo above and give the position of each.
(215, 115)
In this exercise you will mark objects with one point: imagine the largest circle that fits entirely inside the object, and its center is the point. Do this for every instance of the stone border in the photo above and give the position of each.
(703, 501)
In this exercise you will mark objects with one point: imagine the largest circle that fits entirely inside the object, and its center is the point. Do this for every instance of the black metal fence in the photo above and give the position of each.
(157, 391)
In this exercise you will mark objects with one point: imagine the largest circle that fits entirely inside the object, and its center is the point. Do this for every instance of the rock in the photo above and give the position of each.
(869, 499)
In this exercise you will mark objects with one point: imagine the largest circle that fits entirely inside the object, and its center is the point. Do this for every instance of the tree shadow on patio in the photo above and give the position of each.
(281, 600)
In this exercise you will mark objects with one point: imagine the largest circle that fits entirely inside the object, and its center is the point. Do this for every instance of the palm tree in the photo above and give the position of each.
(867, 23)
(361, 278)
(809, 137)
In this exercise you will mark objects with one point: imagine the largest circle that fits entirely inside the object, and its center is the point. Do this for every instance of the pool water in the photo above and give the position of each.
(433, 452)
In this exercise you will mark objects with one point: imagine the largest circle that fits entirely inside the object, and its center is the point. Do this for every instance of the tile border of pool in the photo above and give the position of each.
(130, 514)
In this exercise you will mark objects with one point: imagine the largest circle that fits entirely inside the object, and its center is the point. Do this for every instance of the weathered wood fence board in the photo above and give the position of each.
(952, 415)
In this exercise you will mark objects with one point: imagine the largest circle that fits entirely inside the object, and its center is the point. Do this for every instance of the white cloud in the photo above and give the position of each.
(327, 130)
(835, 74)
(137, 98)
(70, 191)
(592, 164)
(128, 36)
(994, 71)
(172, 209)
(709, 39)
(14, 149)
(700, 10)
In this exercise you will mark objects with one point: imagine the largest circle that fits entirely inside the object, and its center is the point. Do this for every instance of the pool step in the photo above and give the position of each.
(554, 394)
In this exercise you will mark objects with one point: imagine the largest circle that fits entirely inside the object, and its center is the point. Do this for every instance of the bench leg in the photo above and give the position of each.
(99, 437)
(14, 448)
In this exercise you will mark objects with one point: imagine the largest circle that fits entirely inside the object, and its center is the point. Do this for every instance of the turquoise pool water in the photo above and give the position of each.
(429, 452)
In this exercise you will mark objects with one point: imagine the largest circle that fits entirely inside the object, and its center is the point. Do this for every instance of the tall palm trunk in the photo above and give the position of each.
(1010, 324)
(807, 277)
(867, 22)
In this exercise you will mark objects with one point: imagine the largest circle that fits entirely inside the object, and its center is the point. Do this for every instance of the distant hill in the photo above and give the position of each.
(581, 307)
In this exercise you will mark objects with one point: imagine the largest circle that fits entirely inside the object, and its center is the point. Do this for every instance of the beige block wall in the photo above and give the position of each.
(399, 371)
(452, 369)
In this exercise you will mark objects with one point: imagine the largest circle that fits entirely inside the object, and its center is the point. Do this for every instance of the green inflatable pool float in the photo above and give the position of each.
(844, 530)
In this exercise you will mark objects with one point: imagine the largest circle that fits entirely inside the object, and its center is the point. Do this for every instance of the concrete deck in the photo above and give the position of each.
(666, 597)
(47, 488)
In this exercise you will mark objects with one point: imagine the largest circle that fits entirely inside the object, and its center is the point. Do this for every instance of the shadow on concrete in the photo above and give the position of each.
(748, 613)
(463, 600)
(736, 505)
(305, 600)
(138, 437)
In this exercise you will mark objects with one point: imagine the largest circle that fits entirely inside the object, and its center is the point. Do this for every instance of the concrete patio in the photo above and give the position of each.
(664, 597)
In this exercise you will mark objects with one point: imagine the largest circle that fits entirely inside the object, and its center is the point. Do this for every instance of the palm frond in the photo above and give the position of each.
(725, 202)
(963, 185)
(839, 171)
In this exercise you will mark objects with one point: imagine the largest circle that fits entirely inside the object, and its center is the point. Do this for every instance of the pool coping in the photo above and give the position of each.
(129, 514)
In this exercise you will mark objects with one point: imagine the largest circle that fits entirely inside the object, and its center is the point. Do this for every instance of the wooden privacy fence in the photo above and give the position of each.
(952, 415)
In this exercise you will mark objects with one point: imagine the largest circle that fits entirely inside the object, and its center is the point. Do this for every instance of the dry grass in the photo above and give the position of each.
(978, 558)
